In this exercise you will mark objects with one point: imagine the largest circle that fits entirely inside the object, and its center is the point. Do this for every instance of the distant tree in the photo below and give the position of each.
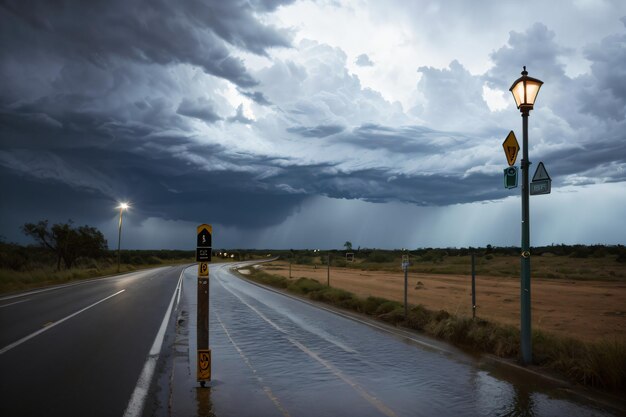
(66, 242)
(348, 246)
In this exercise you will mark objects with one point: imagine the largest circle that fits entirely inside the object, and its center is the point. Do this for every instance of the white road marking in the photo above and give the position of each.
(180, 288)
(359, 389)
(38, 332)
(17, 302)
(138, 398)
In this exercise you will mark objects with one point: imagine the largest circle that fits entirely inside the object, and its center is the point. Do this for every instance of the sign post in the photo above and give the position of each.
(328, 270)
(405, 267)
(473, 286)
(203, 256)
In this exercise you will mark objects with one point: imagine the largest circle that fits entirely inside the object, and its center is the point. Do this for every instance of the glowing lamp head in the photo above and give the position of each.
(525, 90)
(123, 206)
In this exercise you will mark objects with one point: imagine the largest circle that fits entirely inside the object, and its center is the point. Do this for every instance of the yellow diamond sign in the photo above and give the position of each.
(511, 148)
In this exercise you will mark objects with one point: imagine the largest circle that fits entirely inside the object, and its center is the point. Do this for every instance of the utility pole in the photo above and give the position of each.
(406, 288)
(473, 286)
(405, 267)
(328, 270)
(122, 207)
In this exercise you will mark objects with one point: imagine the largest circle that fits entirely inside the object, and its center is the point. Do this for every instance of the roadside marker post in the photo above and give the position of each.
(473, 286)
(328, 270)
(405, 267)
(203, 256)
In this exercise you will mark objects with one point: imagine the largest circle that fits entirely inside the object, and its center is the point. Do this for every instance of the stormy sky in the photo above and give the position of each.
(308, 123)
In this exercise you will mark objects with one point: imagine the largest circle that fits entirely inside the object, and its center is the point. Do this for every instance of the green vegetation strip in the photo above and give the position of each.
(600, 365)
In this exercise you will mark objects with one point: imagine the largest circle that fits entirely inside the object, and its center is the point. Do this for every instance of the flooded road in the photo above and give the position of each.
(277, 356)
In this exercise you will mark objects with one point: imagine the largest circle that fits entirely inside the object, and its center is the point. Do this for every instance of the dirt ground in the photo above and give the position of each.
(587, 310)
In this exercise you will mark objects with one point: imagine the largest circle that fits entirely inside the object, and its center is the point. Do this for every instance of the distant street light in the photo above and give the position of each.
(525, 90)
(122, 207)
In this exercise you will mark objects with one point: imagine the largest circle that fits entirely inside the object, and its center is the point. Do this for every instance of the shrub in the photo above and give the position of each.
(394, 317)
(418, 317)
(379, 257)
(371, 304)
(305, 286)
(387, 307)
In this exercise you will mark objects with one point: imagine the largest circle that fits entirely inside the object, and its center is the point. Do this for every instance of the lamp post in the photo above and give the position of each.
(525, 90)
(122, 207)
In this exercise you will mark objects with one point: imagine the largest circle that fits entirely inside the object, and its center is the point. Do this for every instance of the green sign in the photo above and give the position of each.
(510, 177)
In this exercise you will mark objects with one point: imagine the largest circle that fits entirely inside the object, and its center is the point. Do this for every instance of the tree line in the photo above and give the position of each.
(66, 242)
(66, 246)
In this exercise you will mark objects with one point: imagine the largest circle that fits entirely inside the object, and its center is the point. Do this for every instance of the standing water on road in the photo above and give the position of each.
(277, 356)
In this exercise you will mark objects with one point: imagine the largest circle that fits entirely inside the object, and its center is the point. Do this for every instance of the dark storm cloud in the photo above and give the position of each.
(200, 109)
(607, 95)
(269, 5)
(162, 32)
(319, 131)
(91, 112)
(158, 186)
(364, 61)
(403, 140)
(380, 185)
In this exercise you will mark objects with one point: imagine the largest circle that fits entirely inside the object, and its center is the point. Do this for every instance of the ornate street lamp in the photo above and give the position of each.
(525, 90)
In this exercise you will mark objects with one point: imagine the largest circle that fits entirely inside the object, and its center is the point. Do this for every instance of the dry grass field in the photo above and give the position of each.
(587, 302)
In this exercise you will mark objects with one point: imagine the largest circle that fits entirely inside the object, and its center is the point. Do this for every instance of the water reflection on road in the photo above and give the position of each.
(275, 356)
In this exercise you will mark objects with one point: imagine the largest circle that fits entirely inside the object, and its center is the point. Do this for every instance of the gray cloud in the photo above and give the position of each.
(200, 109)
(319, 131)
(161, 32)
(609, 73)
(256, 96)
(404, 140)
(363, 61)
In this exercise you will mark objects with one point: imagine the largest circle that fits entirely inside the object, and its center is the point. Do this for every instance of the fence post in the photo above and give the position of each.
(473, 286)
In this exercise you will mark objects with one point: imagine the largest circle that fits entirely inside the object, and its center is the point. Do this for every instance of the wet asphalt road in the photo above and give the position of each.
(89, 364)
(277, 356)
(272, 356)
